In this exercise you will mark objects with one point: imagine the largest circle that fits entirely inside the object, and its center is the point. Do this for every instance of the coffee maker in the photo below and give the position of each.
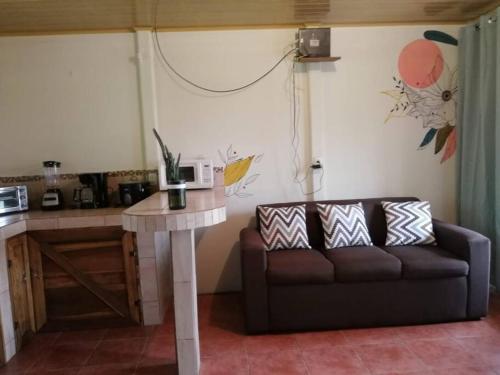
(93, 193)
(53, 197)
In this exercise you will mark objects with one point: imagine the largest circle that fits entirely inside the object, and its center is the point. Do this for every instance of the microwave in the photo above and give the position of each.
(198, 174)
(13, 199)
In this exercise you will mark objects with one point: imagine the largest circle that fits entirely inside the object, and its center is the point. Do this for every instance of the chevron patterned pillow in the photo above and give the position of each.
(409, 223)
(284, 227)
(344, 225)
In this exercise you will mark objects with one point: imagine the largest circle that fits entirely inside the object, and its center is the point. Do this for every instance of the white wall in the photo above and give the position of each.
(75, 99)
(363, 157)
(368, 158)
(71, 98)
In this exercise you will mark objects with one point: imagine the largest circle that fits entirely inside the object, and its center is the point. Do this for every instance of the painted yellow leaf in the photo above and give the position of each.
(237, 170)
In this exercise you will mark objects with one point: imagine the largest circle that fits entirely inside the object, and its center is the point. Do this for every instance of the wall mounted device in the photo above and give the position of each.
(314, 42)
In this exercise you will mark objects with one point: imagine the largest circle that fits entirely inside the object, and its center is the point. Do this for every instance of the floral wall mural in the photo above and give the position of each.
(426, 89)
(237, 178)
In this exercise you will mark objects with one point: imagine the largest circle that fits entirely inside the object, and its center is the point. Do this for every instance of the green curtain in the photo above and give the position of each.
(479, 132)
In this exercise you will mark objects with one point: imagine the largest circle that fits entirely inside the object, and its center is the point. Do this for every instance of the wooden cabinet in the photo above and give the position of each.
(20, 287)
(74, 278)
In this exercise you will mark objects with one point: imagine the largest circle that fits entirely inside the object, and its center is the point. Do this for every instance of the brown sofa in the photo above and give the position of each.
(364, 286)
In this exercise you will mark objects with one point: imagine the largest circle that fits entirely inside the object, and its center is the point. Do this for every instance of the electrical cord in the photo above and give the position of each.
(295, 135)
(203, 88)
(296, 143)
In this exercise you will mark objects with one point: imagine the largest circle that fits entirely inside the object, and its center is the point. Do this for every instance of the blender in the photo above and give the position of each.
(53, 198)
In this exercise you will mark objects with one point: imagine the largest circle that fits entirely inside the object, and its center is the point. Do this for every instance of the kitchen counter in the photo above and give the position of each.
(14, 224)
(203, 208)
(165, 240)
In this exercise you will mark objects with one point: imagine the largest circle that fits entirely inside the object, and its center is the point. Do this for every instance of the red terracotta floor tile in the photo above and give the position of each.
(336, 361)
(129, 332)
(31, 353)
(446, 349)
(164, 369)
(66, 371)
(117, 369)
(218, 347)
(443, 353)
(224, 365)
(383, 358)
(66, 356)
(364, 336)
(159, 350)
(77, 336)
(465, 371)
(319, 340)
(486, 348)
(264, 344)
(423, 332)
(217, 333)
(166, 329)
(118, 351)
(289, 362)
(23, 361)
(478, 328)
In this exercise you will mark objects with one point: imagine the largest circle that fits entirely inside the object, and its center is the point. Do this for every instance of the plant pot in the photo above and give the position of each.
(176, 194)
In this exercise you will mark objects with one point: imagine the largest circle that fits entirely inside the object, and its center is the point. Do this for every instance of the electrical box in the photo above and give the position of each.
(314, 42)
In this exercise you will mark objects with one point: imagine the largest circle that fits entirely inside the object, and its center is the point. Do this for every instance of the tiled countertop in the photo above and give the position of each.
(11, 225)
(203, 208)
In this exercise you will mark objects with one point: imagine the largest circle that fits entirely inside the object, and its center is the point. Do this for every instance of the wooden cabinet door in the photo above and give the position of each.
(130, 265)
(20, 287)
(37, 283)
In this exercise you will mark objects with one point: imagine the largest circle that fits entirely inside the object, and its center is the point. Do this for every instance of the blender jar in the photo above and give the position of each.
(51, 173)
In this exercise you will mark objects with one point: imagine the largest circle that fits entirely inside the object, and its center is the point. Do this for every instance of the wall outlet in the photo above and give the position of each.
(317, 163)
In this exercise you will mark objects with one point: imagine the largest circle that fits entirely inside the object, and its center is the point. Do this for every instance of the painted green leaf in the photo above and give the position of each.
(429, 136)
(442, 136)
(439, 36)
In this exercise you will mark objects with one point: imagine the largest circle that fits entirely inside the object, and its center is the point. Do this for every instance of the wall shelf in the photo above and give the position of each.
(304, 59)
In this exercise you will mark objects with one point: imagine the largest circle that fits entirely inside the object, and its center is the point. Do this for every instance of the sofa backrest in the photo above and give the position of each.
(374, 214)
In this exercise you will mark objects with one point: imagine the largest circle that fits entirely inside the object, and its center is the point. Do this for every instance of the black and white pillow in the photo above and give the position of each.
(284, 227)
(344, 225)
(409, 223)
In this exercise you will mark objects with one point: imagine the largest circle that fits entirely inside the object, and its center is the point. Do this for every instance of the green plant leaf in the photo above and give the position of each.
(442, 136)
(429, 136)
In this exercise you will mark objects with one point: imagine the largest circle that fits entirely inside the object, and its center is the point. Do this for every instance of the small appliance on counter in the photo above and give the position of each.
(13, 199)
(198, 174)
(52, 199)
(133, 192)
(93, 193)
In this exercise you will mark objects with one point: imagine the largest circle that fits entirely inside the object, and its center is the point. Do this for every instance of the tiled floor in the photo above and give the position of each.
(465, 348)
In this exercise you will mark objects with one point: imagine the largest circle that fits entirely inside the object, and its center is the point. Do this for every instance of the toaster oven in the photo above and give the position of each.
(13, 199)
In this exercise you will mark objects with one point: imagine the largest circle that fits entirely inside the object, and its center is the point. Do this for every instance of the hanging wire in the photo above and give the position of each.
(297, 162)
(203, 88)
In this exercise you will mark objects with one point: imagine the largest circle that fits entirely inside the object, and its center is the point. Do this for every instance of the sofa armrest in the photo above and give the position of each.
(475, 249)
(253, 270)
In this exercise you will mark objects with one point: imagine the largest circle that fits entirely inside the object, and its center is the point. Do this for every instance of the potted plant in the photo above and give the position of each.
(175, 185)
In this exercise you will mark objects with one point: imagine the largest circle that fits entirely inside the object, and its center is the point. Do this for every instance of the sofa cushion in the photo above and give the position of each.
(344, 225)
(298, 267)
(364, 263)
(408, 223)
(284, 227)
(428, 262)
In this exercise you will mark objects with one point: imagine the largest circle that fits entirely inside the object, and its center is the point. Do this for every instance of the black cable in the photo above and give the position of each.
(200, 87)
